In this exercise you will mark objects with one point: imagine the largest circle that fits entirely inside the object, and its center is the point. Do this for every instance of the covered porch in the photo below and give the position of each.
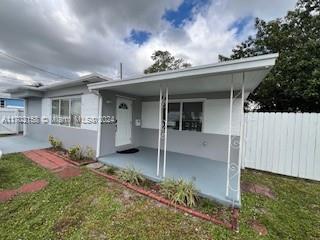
(207, 175)
(187, 123)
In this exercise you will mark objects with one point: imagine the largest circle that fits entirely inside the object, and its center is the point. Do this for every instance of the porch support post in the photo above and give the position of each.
(165, 137)
(241, 141)
(26, 101)
(160, 132)
(230, 135)
(99, 125)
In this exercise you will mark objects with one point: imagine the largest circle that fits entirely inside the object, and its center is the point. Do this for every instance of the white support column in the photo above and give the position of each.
(99, 126)
(165, 137)
(241, 142)
(230, 135)
(25, 115)
(160, 132)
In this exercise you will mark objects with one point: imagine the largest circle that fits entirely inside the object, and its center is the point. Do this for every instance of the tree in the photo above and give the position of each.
(163, 61)
(294, 83)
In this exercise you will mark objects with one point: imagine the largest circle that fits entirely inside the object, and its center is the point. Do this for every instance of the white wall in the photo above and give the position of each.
(216, 116)
(46, 108)
(89, 108)
(215, 111)
(150, 115)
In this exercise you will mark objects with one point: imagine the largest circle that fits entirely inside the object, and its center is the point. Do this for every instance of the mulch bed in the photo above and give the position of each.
(63, 154)
(153, 194)
(35, 186)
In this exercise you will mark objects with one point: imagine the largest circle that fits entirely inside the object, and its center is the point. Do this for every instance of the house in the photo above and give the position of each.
(185, 123)
(7, 102)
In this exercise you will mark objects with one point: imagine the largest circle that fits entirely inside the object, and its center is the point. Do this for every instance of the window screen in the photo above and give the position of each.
(192, 116)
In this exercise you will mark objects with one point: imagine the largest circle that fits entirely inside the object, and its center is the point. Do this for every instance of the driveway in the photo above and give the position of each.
(13, 144)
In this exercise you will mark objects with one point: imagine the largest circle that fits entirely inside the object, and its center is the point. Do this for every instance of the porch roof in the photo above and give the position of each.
(208, 78)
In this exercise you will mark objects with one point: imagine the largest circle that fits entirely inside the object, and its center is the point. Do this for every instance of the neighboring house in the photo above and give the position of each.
(186, 123)
(7, 102)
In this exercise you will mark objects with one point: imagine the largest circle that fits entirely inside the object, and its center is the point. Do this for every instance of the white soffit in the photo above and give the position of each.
(209, 78)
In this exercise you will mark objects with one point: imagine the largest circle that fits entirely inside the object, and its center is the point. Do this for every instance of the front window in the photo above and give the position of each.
(186, 116)
(66, 111)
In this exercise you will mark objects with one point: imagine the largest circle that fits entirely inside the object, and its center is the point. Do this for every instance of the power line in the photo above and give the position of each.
(21, 61)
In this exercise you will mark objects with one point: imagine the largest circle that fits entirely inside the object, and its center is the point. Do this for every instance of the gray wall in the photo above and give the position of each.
(68, 135)
(108, 131)
(212, 146)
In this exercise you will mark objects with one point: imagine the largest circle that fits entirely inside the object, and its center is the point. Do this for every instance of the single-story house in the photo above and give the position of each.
(6, 101)
(185, 123)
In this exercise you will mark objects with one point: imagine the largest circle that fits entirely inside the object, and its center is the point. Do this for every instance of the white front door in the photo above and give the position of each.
(124, 121)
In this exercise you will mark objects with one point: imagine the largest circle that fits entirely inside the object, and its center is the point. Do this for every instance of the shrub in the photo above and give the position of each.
(55, 143)
(179, 191)
(131, 175)
(111, 170)
(90, 153)
(75, 153)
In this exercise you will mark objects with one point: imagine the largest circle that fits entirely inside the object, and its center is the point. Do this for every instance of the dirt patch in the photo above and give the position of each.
(64, 224)
(68, 172)
(128, 197)
(257, 189)
(35, 186)
(259, 228)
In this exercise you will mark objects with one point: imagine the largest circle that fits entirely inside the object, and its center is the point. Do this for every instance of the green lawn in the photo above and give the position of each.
(89, 207)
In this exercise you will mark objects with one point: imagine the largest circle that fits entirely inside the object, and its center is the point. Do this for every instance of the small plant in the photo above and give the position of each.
(89, 153)
(75, 153)
(179, 191)
(131, 175)
(55, 143)
(111, 170)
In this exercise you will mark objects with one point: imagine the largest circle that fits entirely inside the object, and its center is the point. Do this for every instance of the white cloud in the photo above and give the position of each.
(79, 36)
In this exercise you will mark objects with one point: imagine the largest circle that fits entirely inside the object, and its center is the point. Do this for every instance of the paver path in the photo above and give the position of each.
(35, 186)
(54, 163)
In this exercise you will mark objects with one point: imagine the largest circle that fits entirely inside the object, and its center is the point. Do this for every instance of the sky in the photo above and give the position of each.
(63, 40)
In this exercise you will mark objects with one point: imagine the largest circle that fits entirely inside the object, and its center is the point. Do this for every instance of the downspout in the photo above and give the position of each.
(96, 92)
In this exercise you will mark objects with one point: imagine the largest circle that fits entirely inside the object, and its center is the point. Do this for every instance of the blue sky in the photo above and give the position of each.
(184, 13)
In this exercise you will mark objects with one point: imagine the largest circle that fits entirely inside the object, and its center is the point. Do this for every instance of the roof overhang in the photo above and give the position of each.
(207, 78)
(31, 91)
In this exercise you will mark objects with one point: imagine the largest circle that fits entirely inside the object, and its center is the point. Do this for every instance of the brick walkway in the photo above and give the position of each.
(35, 186)
(54, 163)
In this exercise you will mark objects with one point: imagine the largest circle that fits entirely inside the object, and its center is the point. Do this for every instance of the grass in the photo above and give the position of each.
(89, 207)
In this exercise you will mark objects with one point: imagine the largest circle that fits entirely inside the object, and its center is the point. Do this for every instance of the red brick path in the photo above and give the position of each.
(56, 164)
(25, 188)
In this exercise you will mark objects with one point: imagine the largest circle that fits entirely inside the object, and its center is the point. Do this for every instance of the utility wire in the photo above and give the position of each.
(21, 61)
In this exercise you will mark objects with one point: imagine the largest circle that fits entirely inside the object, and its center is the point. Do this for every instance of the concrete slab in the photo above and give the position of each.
(208, 175)
(13, 144)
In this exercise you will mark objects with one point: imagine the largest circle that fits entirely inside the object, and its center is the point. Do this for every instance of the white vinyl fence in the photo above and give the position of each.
(284, 143)
(9, 128)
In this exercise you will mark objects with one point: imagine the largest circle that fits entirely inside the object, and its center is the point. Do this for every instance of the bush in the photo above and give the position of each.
(179, 191)
(75, 153)
(131, 175)
(55, 143)
(90, 153)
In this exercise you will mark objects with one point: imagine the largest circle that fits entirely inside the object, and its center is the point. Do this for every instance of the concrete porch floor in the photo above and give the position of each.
(13, 144)
(209, 176)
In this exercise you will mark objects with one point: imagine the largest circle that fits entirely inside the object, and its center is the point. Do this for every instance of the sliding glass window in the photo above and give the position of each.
(66, 111)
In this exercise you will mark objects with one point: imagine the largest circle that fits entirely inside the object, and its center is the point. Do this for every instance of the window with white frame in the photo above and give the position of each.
(185, 115)
(66, 111)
